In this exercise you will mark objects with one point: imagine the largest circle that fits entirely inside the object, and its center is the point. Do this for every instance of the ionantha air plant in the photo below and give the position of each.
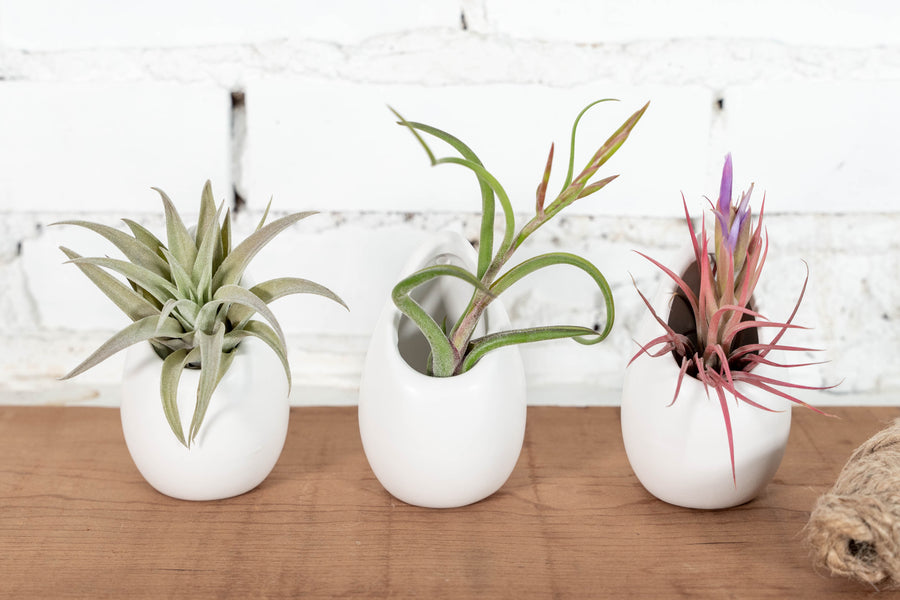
(722, 348)
(453, 350)
(186, 297)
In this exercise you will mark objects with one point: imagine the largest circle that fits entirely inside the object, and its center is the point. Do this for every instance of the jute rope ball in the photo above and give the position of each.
(854, 529)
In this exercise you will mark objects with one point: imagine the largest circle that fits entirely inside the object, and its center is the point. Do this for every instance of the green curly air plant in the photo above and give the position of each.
(187, 300)
(454, 351)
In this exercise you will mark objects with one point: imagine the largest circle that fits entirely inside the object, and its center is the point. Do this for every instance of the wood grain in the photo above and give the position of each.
(77, 520)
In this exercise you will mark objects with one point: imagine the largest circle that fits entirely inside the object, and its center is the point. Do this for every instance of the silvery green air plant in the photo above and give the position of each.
(187, 299)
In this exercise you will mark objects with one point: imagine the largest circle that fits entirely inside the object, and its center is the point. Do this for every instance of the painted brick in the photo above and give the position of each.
(83, 147)
(823, 148)
(334, 146)
(61, 296)
(828, 23)
(53, 25)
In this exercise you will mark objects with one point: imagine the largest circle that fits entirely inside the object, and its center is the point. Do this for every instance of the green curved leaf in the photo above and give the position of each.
(265, 215)
(159, 288)
(208, 217)
(235, 294)
(273, 289)
(232, 267)
(133, 249)
(559, 258)
(139, 331)
(202, 272)
(444, 356)
(187, 318)
(485, 176)
(260, 330)
(145, 236)
(481, 346)
(181, 243)
(130, 302)
(226, 240)
(213, 365)
(486, 234)
(172, 367)
(181, 277)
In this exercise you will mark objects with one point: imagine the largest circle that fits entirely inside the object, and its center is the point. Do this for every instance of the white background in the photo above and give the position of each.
(100, 100)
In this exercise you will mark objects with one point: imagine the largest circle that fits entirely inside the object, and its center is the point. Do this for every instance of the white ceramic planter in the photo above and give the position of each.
(680, 452)
(440, 442)
(239, 441)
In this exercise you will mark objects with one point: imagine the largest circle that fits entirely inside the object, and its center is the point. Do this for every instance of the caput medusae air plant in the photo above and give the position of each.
(718, 350)
(453, 349)
(186, 298)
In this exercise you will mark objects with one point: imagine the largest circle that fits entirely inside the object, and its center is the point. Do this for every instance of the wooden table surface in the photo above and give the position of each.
(77, 520)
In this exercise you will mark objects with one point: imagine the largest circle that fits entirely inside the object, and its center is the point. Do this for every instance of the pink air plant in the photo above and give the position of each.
(720, 354)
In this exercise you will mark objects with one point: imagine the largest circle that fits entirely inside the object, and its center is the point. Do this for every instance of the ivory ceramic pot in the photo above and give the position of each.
(679, 450)
(239, 441)
(440, 442)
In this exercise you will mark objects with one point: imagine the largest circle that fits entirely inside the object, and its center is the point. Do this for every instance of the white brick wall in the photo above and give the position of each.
(48, 25)
(101, 100)
(345, 152)
(802, 22)
(76, 147)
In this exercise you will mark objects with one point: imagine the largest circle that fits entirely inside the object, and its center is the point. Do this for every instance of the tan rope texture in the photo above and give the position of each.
(854, 529)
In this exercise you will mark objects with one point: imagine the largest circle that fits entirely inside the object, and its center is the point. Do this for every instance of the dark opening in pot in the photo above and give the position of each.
(682, 320)
(445, 299)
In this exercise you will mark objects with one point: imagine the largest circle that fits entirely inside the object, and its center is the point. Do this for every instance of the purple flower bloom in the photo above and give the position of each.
(731, 224)
(724, 203)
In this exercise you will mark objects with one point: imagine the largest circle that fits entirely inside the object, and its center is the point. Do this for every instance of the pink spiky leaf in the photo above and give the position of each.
(689, 294)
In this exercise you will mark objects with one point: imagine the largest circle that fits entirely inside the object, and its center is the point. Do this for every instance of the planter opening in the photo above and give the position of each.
(444, 298)
(681, 319)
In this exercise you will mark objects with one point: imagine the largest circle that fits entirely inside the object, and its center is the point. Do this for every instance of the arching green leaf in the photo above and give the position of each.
(481, 346)
(444, 355)
(486, 234)
(139, 331)
(213, 365)
(172, 368)
(144, 236)
(130, 302)
(133, 249)
(232, 268)
(561, 258)
(181, 243)
(260, 330)
(158, 287)
(269, 291)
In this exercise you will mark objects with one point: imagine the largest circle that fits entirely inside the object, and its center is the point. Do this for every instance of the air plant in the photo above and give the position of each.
(187, 298)
(723, 348)
(453, 350)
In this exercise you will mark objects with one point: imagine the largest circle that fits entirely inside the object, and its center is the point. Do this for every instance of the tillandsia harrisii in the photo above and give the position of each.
(187, 299)
(454, 351)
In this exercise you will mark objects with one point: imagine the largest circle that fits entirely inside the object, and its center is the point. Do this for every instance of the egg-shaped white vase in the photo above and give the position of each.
(440, 442)
(679, 450)
(239, 441)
